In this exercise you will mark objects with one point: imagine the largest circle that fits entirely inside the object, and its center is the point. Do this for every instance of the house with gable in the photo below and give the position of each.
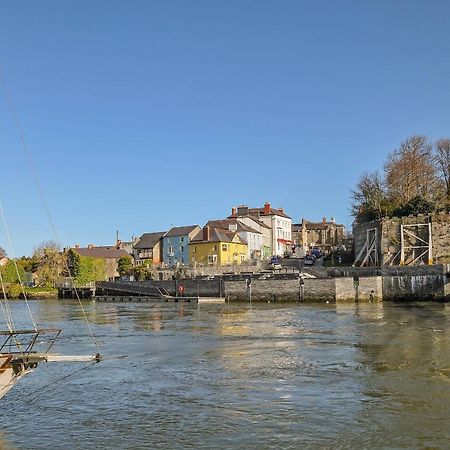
(175, 244)
(217, 247)
(248, 234)
(242, 214)
(148, 248)
(276, 219)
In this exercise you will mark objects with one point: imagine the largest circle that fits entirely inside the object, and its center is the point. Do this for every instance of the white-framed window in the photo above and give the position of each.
(212, 259)
(194, 249)
(170, 249)
(181, 249)
(182, 239)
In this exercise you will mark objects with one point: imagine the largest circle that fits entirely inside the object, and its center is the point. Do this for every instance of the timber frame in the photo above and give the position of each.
(368, 255)
(416, 244)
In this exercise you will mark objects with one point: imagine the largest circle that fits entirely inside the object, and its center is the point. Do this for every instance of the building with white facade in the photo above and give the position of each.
(279, 223)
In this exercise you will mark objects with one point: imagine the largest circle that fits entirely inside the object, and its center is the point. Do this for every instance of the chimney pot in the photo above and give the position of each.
(233, 211)
(267, 207)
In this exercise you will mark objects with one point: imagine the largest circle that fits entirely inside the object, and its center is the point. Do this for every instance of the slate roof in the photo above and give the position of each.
(256, 212)
(272, 212)
(105, 252)
(217, 235)
(180, 231)
(225, 223)
(149, 240)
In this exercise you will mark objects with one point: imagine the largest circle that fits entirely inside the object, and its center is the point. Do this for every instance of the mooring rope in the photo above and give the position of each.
(47, 386)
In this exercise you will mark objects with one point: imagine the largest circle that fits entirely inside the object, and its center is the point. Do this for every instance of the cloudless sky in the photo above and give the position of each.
(142, 115)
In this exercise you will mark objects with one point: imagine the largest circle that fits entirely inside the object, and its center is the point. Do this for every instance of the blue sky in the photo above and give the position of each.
(141, 115)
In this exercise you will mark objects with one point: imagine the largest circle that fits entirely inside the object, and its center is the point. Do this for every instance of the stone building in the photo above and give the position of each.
(324, 235)
(412, 240)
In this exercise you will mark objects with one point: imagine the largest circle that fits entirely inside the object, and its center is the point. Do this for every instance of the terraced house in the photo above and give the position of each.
(217, 247)
(248, 234)
(276, 219)
(175, 246)
(148, 247)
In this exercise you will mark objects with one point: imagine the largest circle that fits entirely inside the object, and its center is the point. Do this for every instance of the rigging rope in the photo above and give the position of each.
(5, 309)
(27, 154)
(22, 287)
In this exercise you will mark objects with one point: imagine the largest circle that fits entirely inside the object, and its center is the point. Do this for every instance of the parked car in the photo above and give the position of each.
(275, 262)
(309, 260)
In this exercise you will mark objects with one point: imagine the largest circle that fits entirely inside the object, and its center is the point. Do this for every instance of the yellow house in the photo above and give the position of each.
(217, 247)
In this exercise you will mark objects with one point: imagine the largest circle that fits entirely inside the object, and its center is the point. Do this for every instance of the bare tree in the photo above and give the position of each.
(410, 172)
(442, 158)
(369, 197)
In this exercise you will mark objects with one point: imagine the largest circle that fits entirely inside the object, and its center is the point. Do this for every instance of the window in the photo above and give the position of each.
(181, 249)
(224, 247)
(242, 258)
(194, 249)
(182, 239)
(170, 250)
(215, 247)
(212, 259)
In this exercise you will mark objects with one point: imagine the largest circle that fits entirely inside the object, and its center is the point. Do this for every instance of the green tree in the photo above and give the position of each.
(48, 263)
(417, 205)
(86, 269)
(124, 265)
(10, 273)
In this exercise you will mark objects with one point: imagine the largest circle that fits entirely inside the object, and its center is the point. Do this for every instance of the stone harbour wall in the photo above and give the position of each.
(389, 236)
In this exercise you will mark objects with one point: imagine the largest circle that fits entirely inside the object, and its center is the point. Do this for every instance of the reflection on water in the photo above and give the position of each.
(239, 376)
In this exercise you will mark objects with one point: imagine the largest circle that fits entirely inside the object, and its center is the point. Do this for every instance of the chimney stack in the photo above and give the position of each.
(206, 233)
(242, 210)
(77, 245)
(233, 211)
(267, 208)
(324, 220)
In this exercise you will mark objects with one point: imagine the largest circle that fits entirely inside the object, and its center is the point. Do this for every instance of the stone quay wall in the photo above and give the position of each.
(406, 283)
(388, 244)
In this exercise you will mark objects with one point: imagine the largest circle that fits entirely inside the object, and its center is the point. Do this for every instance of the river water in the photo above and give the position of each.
(238, 376)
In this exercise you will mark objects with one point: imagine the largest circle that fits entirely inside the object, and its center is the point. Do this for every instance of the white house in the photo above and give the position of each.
(280, 225)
